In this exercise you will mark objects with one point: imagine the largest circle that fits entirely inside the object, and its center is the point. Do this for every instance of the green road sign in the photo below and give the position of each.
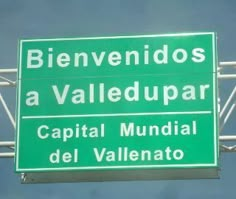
(117, 103)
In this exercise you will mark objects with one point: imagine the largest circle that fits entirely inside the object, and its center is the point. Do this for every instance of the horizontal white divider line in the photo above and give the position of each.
(67, 169)
(117, 114)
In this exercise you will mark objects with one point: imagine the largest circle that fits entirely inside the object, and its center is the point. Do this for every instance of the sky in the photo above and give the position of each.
(76, 18)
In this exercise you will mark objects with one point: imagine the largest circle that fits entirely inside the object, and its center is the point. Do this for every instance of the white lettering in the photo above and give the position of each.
(34, 58)
(60, 97)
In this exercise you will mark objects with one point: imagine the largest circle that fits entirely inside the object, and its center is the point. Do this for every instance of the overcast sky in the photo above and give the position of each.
(77, 18)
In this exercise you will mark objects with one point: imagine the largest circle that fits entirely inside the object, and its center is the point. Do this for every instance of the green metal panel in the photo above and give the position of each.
(117, 103)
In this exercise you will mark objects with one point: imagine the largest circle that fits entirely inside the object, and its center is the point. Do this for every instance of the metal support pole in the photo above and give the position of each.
(224, 138)
(7, 144)
(229, 113)
(8, 111)
(228, 63)
(226, 76)
(8, 71)
(228, 101)
(7, 155)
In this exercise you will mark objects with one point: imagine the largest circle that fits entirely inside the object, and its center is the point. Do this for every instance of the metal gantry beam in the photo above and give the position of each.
(225, 113)
(228, 108)
(10, 145)
(7, 111)
(5, 82)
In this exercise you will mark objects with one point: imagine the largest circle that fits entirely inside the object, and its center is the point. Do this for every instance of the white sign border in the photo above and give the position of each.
(215, 98)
